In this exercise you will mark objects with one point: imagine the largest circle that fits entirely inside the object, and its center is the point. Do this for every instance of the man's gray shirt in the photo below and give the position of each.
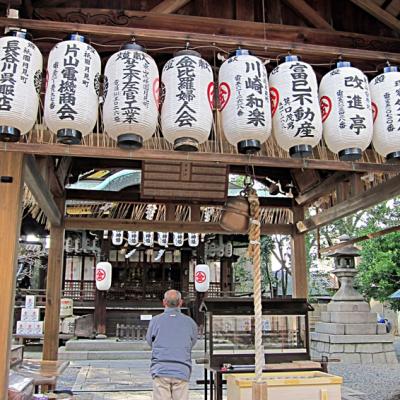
(171, 336)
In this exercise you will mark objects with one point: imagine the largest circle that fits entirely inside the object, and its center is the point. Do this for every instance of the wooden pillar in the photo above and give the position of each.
(53, 293)
(299, 265)
(11, 168)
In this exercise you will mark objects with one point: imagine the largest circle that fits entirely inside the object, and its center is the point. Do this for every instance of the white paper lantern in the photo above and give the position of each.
(133, 238)
(179, 239)
(148, 239)
(163, 238)
(131, 91)
(117, 238)
(188, 89)
(77, 245)
(296, 116)
(69, 244)
(346, 111)
(193, 239)
(228, 250)
(103, 275)
(21, 78)
(71, 102)
(202, 277)
(244, 101)
(385, 96)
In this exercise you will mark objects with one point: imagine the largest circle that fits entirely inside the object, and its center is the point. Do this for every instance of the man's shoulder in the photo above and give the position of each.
(189, 319)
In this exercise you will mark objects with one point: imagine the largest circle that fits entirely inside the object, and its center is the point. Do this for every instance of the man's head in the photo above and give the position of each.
(172, 299)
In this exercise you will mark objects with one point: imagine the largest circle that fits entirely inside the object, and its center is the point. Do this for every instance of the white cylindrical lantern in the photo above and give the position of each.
(296, 116)
(346, 111)
(202, 277)
(188, 89)
(21, 78)
(71, 101)
(244, 101)
(179, 238)
(117, 238)
(148, 239)
(131, 91)
(133, 238)
(162, 238)
(385, 97)
(69, 244)
(193, 239)
(228, 250)
(103, 275)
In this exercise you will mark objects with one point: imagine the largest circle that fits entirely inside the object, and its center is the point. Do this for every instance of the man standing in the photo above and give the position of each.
(171, 336)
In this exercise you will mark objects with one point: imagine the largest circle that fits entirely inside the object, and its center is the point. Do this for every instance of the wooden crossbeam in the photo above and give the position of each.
(230, 159)
(41, 192)
(380, 14)
(393, 8)
(78, 223)
(169, 6)
(307, 12)
(369, 198)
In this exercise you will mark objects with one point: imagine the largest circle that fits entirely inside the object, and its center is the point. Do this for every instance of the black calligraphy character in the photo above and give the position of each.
(253, 101)
(358, 123)
(186, 116)
(353, 81)
(66, 112)
(256, 117)
(254, 84)
(302, 98)
(300, 113)
(355, 102)
(72, 48)
(305, 130)
(71, 62)
(250, 66)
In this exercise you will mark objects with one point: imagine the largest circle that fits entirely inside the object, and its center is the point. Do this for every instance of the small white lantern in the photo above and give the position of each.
(133, 238)
(71, 101)
(179, 238)
(244, 101)
(131, 91)
(117, 238)
(193, 239)
(385, 96)
(345, 102)
(188, 89)
(296, 116)
(21, 78)
(148, 239)
(69, 244)
(103, 275)
(202, 278)
(163, 238)
(228, 250)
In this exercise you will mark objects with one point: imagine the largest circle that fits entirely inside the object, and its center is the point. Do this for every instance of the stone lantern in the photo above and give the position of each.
(345, 271)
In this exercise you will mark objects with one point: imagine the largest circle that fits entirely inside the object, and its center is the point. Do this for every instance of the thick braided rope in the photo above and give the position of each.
(255, 253)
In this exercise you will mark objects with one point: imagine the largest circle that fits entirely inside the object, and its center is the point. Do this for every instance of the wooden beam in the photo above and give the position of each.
(161, 37)
(53, 293)
(299, 263)
(245, 10)
(326, 186)
(381, 15)
(369, 198)
(307, 12)
(40, 190)
(169, 6)
(368, 236)
(11, 167)
(77, 223)
(393, 8)
(230, 159)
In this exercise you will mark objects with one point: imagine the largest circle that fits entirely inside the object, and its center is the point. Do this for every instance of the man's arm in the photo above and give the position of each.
(194, 333)
(149, 334)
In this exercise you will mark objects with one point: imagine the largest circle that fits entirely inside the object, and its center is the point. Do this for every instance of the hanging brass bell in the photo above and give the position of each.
(235, 216)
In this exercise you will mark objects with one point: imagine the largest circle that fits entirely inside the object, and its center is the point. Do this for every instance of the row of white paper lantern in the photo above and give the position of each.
(249, 108)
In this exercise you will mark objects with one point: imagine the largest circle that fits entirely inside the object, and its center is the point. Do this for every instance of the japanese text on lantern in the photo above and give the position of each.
(255, 100)
(8, 70)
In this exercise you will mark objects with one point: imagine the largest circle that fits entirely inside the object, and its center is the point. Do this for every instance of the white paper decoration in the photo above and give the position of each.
(228, 251)
(244, 101)
(296, 116)
(385, 96)
(69, 244)
(71, 100)
(117, 238)
(163, 238)
(131, 90)
(179, 239)
(148, 239)
(188, 89)
(77, 245)
(21, 78)
(193, 239)
(202, 277)
(103, 275)
(346, 111)
(133, 238)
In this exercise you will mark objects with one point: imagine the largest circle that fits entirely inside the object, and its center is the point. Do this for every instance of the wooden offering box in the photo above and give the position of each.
(312, 385)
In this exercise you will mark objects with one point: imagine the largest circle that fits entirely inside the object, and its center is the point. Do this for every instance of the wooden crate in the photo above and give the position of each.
(313, 385)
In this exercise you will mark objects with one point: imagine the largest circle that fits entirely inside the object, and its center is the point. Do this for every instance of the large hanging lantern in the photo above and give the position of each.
(385, 96)
(103, 275)
(133, 238)
(179, 239)
(244, 101)
(21, 78)
(131, 91)
(188, 88)
(296, 116)
(162, 238)
(71, 102)
(148, 239)
(193, 239)
(346, 111)
(202, 278)
(117, 238)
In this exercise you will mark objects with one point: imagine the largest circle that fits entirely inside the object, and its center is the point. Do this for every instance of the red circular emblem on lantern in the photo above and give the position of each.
(326, 107)
(210, 94)
(224, 94)
(374, 111)
(100, 275)
(200, 277)
(274, 95)
(156, 91)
